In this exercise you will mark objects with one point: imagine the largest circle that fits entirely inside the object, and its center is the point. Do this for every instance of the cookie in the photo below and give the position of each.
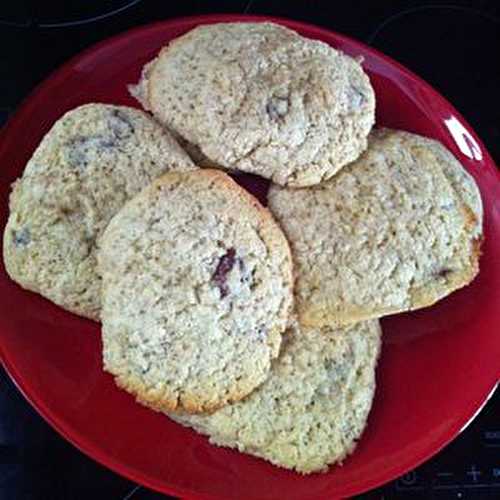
(262, 99)
(461, 181)
(314, 406)
(397, 230)
(197, 288)
(89, 164)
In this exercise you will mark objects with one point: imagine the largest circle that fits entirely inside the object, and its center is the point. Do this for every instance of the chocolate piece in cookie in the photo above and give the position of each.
(312, 409)
(167, 258)
(262, 99)
(396, 230)
(120, 124)
(89, 164)
(21, 238)
(82, 150)
(226, 263)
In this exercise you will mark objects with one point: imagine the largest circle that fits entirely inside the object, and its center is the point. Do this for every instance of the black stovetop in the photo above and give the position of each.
(454, 45)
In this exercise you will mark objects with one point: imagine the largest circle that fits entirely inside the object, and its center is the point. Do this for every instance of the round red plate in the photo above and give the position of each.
(437, 368)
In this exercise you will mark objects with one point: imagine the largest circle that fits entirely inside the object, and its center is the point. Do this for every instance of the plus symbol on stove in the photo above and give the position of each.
(474, 473)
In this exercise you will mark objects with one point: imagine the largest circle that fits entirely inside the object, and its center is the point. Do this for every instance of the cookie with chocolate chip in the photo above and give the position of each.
(89, 164)
(397, 230)
(314, 406)
(197, 290)
(262, 99)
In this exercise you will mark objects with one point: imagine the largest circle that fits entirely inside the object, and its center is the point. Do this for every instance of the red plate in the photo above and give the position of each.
(438, 365)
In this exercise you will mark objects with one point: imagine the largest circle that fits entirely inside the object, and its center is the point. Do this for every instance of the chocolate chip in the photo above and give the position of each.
(22, 237)
(357, 98)
(443, 273)
(277, 107)
(226, 263)
(79, 148)
(245, 276)
(261, 333)
(120, 124)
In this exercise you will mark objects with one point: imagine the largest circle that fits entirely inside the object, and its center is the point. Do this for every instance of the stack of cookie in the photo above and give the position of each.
(258, 327)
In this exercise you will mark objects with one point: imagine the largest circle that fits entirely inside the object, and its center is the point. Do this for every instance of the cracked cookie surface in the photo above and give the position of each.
(197, 289)
(93, 159)
(397, 230)
(312, 409)
(262, 99)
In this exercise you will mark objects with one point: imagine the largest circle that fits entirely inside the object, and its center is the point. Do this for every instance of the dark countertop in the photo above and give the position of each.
(453, 45)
